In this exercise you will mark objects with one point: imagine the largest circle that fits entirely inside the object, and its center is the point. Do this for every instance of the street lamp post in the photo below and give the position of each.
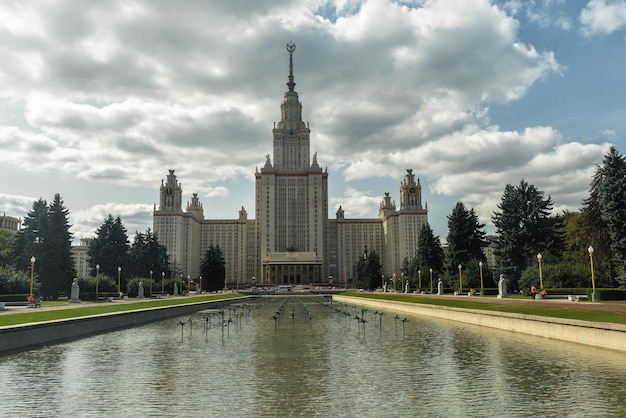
(460, 280)
(419, 279)
(431, 281)
(482, 287)
(200, 287)
(593, 277)
(162, 283)
(150, 283)
(32, 274)
(119, 283)
(97, 274)
(539, 258)
(188, 284)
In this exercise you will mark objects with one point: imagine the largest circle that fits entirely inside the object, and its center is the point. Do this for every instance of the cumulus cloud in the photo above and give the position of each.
(116, 92)
(602, 17)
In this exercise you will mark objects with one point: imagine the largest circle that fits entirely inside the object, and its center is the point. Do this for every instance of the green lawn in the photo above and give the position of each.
(86, 309)
(555, 312)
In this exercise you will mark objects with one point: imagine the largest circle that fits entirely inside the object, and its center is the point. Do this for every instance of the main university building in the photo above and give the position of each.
(291, 240)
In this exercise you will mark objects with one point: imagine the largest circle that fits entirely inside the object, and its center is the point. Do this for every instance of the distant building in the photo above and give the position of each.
(79, 255)
(9, 223)
(291, 240)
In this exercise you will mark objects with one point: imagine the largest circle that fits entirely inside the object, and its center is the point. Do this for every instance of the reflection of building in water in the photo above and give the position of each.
(9, 223)
(291, 239)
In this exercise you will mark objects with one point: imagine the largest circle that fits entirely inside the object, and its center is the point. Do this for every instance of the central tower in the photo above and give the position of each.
(291, 199)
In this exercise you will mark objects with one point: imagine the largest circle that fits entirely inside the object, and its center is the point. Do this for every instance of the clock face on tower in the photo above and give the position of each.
(292, 132)
(168, 190)
(412, 190)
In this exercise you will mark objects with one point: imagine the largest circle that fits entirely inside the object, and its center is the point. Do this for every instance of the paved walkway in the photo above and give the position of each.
(560, 303)
(48, 306)
(555, 303)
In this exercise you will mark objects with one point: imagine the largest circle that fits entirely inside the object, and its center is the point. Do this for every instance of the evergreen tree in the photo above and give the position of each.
(373, 271)
(597, 231)
(110, 249)
(524, 228)
(57, 266)
(466, 237)
(368, 271)
(613, 207)
(430, 254)
(7, 239)
(28, 239)
(213, 269)
(45, 234)
(147, 254)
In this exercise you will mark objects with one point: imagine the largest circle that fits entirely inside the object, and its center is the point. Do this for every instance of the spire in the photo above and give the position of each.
(290, 48)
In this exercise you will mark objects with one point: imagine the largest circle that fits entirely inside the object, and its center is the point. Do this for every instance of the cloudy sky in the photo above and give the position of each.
(99, 99)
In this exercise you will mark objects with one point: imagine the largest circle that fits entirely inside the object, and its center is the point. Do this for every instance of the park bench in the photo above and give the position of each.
(572, 298)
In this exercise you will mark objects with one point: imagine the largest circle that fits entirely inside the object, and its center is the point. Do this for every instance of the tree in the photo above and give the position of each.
(368, 271)
(429, 253)
(213, 269)
(597, 231)
(7, 239)
(613, 207)
(147, 254)
(110, 249)
(56, 267)
(466, 237)
(28, 239)
(373, 271)
(524, 228)
(46, 236)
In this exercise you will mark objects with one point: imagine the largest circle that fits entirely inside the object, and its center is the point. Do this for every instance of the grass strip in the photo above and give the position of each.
(547, 311)
(102, 308)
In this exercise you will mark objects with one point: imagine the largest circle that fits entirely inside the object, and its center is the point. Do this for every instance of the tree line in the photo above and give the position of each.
(527, 232)
(38, 259)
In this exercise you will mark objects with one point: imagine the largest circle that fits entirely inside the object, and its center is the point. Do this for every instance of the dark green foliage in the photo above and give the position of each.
(45, 235)
(556, 275)
(29, 239)
(6, 245)
(368, 271)
(613, 208)
(213, 269)
(110, 250)
(147, 254)
(524, 228)
(597, 231)
(56, 269)
(13, 281)
(429, 254)
(466, 237)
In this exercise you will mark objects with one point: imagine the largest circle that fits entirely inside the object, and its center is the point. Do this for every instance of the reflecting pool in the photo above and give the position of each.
(314, 359)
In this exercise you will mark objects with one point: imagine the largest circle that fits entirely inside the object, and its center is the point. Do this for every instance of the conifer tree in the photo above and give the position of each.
(613, 207)
(524, 228)
(213, 269)
(466, 237)
(109, 249)
(430, 254)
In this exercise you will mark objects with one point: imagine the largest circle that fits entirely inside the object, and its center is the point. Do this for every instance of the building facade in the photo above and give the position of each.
(291, 239)
(80, 258)
(9, 223)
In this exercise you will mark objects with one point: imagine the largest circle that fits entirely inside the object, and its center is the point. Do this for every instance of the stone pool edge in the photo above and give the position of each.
(596, 334)
(16, 338)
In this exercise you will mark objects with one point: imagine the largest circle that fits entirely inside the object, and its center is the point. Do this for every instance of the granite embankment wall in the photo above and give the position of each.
(597, 334)
(16, 338)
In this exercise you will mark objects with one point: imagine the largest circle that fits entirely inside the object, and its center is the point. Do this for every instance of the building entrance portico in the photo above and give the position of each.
(292, 268)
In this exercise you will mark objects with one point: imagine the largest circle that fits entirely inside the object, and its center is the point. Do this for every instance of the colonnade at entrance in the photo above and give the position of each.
(292, 273)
